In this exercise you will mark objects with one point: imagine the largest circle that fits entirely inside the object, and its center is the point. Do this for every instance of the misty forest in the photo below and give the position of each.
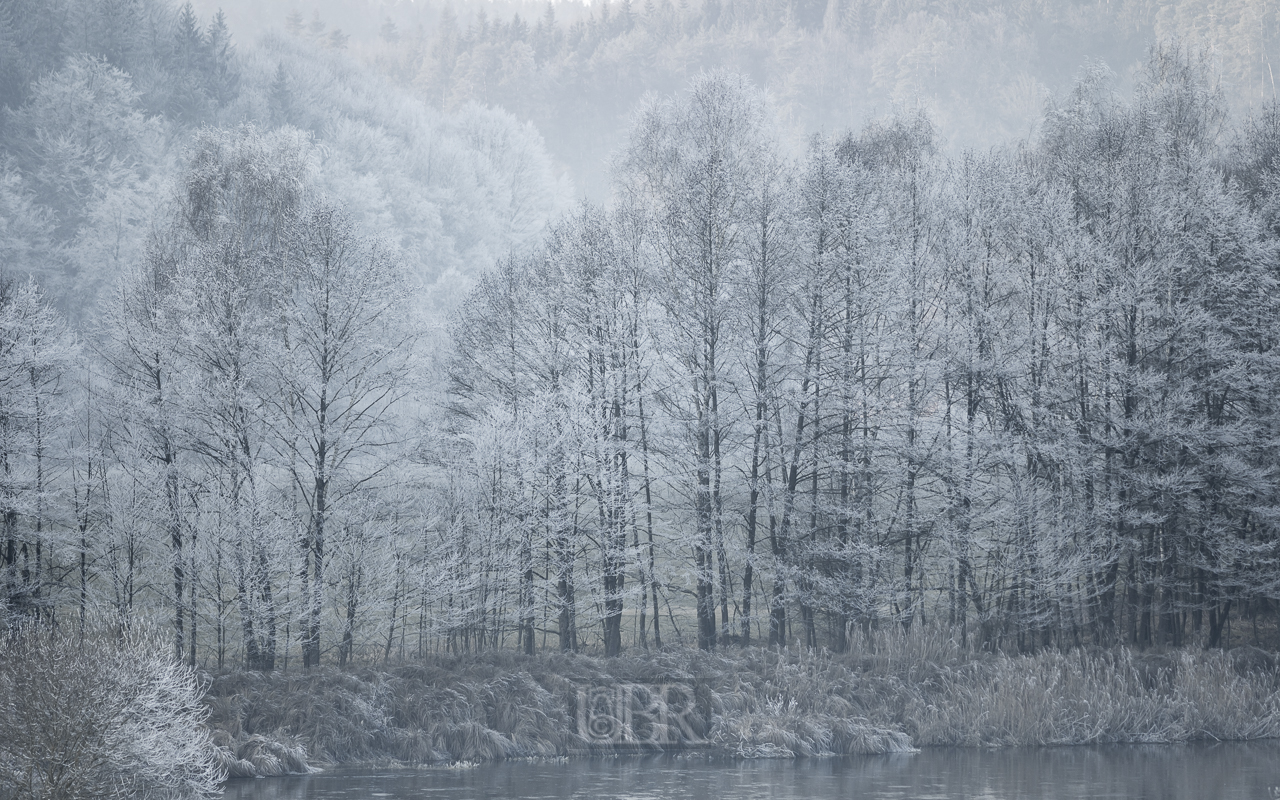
(703, 328)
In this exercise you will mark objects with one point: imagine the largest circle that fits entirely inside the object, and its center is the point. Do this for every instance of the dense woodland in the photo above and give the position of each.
(312, 370)
(1023, 394)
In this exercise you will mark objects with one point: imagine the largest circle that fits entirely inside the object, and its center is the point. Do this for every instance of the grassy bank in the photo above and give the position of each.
(894, 694)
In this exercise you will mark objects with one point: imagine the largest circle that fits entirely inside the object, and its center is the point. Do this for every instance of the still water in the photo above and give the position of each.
(1150, 772)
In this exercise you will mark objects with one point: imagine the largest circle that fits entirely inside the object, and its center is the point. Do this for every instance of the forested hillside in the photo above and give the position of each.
(102, 98)
(983, 71)
(776, 389)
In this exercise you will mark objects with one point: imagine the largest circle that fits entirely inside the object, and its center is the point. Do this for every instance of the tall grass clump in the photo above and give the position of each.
(1086, 697)
(502, 705)
(418, 713)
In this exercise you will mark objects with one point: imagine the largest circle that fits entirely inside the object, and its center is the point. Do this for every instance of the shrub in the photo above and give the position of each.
(109, 716)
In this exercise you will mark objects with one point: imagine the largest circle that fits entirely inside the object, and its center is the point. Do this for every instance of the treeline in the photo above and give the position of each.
(1026, 395)
(172, 206)
(242, 381)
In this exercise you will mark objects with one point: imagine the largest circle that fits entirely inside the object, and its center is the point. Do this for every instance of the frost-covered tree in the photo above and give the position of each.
(342, 371)
(82, 130)
(598, 273)
(686, 166)
(26, 228)
(1175, 255)
(515, 361)
(241, 200)
(141, 354)
(37, 354)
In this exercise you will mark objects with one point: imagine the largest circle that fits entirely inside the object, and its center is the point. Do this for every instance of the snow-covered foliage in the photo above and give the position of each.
(110, 714)
(1019, 392)
(758, 397)
(453, 190)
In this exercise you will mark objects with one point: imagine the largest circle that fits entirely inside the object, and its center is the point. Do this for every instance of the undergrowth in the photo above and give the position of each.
(892, 694)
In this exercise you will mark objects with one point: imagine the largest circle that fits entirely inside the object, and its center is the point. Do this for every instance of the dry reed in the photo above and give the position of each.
(895, 691)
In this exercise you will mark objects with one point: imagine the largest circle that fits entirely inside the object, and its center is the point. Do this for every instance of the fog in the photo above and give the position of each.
(985, 72)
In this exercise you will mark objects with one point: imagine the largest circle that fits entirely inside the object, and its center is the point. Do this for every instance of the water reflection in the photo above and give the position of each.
(1135, 772)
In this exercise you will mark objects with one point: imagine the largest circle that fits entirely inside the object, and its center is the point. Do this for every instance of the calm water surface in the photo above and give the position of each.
(1151, 772)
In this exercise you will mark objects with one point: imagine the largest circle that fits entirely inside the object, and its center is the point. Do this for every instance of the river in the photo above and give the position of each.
(1224, 771)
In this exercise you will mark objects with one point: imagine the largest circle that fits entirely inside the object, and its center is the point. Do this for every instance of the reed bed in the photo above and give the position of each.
(1054, 698)
(893, 693)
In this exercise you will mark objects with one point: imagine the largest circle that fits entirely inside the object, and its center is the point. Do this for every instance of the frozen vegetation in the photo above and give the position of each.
(982, 70)
(893, 693)
(312, 377)
(103, 716)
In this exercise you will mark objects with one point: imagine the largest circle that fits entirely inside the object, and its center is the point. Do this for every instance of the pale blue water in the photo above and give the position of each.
(1151, 772)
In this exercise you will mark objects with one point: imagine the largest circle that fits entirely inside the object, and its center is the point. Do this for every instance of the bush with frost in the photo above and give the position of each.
(106, 715)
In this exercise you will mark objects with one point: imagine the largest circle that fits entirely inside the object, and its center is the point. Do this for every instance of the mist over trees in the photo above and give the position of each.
(309, 370)
(104, 98)
(983, 71)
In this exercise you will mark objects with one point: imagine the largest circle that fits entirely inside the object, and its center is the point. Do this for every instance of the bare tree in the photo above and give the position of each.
(344, 368)
(686, 165)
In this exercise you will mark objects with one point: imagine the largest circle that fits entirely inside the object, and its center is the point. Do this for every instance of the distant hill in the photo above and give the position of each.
(98, 100)
(983, 70)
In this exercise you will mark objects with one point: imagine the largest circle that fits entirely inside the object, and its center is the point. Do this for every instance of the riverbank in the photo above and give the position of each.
(905, 693)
